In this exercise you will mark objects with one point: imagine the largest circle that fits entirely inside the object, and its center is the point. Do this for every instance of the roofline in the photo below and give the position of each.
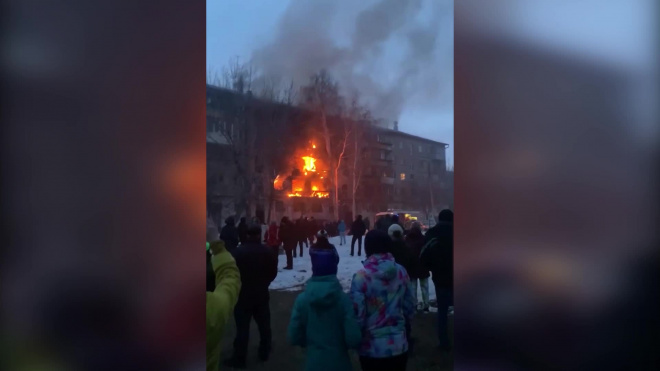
(401, 133)
(301, 109)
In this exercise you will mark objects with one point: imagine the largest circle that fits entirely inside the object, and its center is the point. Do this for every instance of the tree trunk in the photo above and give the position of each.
(336, 198)
(355, 161)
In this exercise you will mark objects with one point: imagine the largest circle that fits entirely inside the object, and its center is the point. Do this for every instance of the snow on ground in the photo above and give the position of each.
(294, 280)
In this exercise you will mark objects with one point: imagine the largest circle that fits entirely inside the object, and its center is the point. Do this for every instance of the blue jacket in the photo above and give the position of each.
(341, 227)
(323, 322)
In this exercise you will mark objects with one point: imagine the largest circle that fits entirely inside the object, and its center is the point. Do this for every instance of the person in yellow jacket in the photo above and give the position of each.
(221, 295)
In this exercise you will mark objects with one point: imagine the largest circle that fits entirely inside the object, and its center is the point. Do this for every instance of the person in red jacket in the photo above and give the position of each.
(272, 239)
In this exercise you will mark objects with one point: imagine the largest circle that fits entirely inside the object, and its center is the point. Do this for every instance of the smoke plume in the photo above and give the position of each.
(393, 53)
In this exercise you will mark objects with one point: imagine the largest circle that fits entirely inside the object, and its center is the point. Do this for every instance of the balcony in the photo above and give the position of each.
(387, 180)
(382, 145)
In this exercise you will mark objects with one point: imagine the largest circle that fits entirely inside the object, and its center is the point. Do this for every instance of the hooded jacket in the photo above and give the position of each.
(383, 301)
(323, 322)
(220, 302)
(415, 242)
(437, 255)
(341, 227)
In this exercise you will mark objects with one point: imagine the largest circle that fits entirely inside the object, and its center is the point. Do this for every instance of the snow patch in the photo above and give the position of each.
(294, 280)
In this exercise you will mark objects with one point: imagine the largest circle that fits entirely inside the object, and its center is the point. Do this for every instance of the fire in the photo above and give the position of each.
(307, 181)
(310, 164)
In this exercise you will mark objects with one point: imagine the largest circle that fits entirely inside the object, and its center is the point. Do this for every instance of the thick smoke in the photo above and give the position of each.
(393, 53)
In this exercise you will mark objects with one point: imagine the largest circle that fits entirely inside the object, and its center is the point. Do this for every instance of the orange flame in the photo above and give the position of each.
(309, 163)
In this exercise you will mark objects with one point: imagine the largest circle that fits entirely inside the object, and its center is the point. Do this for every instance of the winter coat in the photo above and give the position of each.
(341, 227)
(415, 242)
(220, 303)
(258, 268)
(358, 228)
(383, 301)
(311, 227)
(271, 236)
(229, 235)
(403, 256)
(287, 234)
(323, 321)
(242, 231)
(324, 260)
(438, 254)
(300, 229)
(384, 223)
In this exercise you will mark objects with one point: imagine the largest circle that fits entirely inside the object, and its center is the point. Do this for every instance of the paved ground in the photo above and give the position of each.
(289, 358)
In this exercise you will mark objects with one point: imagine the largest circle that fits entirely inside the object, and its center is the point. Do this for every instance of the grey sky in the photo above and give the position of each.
(398, 57)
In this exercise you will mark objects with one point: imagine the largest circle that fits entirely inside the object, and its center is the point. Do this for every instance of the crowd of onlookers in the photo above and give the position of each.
(374, 317)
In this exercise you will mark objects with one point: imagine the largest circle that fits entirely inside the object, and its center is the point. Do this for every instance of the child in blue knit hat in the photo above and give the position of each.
(323, 320)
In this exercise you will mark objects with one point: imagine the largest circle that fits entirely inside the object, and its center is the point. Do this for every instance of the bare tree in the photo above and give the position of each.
(272, 141)
(322, 97)
(359, 119)
(236, 127)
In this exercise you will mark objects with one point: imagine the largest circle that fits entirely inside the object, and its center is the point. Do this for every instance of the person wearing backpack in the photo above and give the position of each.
(438, 257)
(322, 320)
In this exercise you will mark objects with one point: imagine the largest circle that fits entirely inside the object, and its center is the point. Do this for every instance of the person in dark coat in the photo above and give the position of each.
(419, 275)
(404, 257)
(229, 234)
(271, 238)
(258, 268)
(438, 257)
(312, 227)
(242, 230)
(289, 239)
(384, 223)
(358, 229)
(301, 235)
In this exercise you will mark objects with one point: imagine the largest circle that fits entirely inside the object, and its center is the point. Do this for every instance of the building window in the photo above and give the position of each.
(299, 205)
(420, 148)
(402, 176)
(411, 148)
(402, 162)
(279, 206)
(435, 176)
(412, 167)
(400, 145)
(382, 155)
(317, 207)
(412, 176)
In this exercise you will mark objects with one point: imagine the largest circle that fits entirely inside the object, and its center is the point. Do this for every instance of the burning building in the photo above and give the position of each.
(304, 186)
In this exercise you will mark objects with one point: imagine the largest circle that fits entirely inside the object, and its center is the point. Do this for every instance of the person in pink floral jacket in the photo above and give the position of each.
(383, 301)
